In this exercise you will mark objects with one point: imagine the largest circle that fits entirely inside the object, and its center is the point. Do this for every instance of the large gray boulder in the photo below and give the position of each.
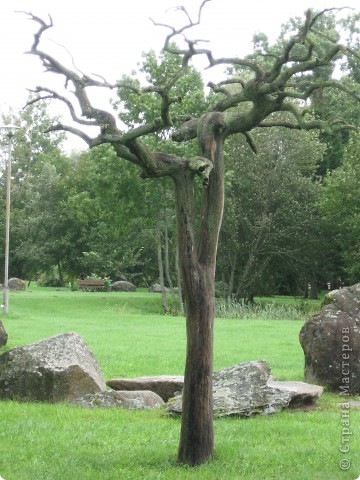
(331, 342)
(246, 390)
(164, 385)
(122, 286)
(17, 284)
(3, 335)
(56, 369)
(135, 400)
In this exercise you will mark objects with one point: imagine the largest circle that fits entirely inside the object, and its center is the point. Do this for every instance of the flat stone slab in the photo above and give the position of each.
(301, 393)
(135, 400)
(164, 385)
(246, 390)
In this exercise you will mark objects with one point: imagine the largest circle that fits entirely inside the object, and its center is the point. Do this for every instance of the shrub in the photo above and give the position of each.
(230, 308)
(49, 279)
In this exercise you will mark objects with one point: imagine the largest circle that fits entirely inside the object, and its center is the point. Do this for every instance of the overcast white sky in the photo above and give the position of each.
(108, 36)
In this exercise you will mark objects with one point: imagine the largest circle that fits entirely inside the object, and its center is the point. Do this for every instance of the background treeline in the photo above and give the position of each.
(292, 210)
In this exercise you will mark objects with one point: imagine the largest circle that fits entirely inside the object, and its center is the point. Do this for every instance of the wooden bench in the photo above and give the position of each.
(91, 285)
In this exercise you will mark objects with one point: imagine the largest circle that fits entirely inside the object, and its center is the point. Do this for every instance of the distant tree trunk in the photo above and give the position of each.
(254, 264)
(314, 291)
(161, 266)
(61, 276)
(167, 263)
(231, 282)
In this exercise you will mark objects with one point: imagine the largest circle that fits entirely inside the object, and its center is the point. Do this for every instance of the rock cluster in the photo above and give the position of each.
(62, 368)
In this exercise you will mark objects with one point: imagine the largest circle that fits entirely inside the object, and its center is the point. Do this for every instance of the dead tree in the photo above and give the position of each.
(282, 83)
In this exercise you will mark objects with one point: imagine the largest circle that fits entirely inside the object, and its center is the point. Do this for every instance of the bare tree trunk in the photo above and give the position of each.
(197, 436)
(179, 281)
(198, 274)
(161, 267)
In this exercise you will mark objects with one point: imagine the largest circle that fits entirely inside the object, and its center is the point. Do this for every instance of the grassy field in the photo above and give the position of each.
(130, 337)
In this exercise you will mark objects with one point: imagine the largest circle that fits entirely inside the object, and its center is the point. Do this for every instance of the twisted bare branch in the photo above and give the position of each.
(269, 86)
(52, 95)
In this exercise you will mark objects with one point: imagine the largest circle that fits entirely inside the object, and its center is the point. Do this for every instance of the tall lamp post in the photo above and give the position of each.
(9, 132)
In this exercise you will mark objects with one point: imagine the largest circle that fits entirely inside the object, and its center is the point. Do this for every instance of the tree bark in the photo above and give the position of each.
(179, 281)
(197, 437)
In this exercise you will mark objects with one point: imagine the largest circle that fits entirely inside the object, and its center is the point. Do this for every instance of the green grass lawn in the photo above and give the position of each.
(130, 337)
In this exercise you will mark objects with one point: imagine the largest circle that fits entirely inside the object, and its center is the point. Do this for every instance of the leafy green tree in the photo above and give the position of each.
(35, 225)
(280, 83)
(326, 103)
(32, 153)
(270, 203)
(114, 207)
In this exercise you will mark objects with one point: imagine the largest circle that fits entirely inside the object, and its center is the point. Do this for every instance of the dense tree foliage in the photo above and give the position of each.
(340, 205)
(271, 233)
(37, 165)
